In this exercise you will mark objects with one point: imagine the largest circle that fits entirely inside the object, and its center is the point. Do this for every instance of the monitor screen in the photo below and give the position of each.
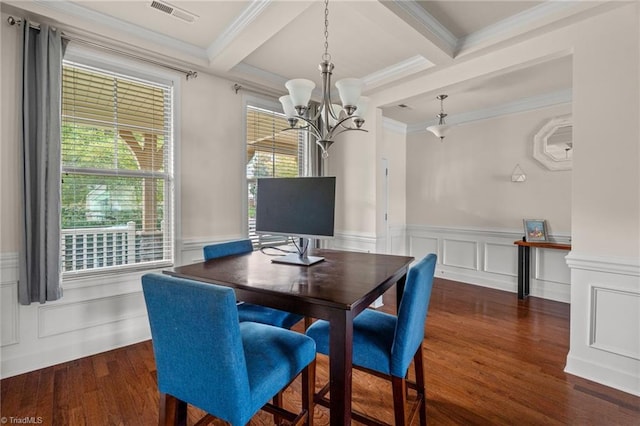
(299, 207)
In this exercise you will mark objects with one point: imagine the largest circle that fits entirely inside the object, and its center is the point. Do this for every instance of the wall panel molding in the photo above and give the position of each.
(605, 326)
(69, 317)
(9, 313)
(489, 258)
(609, 308)
(95, 314)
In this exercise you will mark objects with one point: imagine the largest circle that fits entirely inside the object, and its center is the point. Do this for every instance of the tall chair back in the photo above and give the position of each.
(384, 345)
(412, 314)
(205, 357)
(230, 248)
(197, 343)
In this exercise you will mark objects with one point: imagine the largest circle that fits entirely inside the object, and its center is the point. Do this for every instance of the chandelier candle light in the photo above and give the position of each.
(441, 129)
(334, 118)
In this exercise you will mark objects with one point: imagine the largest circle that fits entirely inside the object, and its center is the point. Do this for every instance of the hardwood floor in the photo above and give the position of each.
(489, 359)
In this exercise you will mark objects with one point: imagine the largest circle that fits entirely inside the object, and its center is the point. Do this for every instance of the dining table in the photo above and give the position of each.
(336, 289)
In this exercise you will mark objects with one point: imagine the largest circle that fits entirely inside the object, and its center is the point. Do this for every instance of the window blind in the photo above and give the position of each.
(271, 152)
(117, 188)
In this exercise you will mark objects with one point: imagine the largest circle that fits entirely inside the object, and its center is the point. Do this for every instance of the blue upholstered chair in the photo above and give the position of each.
(249, 311)
(384, 344)
(207, 358)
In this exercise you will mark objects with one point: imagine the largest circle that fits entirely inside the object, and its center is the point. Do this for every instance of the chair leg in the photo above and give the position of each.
(277, 401)
(173, 412)
(308, 390)
(399, 400)
(422, 394)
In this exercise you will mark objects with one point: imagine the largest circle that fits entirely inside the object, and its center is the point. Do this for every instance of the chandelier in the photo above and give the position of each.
(441, 129)
(330, 119)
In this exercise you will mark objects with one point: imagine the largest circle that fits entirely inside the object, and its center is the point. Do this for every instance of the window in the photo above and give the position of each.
(271, 152)
(117, 171)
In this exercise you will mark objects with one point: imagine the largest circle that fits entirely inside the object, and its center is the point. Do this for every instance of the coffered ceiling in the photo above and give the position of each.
(264, 43)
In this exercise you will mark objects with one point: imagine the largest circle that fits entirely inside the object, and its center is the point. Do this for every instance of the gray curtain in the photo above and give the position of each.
(39, 279)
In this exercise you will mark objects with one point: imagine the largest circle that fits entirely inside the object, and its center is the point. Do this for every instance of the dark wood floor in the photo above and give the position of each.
(489, 359)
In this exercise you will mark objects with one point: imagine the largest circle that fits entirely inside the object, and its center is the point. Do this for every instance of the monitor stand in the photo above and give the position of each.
(299, 258)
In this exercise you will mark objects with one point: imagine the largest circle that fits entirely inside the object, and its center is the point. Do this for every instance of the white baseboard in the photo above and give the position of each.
(608, 375)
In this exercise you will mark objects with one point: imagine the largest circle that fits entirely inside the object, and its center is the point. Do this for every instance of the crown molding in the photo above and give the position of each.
(274, 79)
(424, 18)
(91, 16)
(514, 23)
(393, 72)
(239, 24)
(521, 105)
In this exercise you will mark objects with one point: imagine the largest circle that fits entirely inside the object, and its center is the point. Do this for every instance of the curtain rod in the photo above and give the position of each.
(188, 73)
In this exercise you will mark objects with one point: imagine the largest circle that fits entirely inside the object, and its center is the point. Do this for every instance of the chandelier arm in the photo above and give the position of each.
(309, 128)
(333, 135)
(340, 123)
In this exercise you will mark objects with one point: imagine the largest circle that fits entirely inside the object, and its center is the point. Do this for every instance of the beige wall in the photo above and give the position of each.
(210, 152)
(465, 181)
(9, 143)
(606, 189)
(213, 159)
(352, 159)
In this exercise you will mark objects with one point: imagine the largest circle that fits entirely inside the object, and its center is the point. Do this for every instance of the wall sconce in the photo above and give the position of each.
(518, 174)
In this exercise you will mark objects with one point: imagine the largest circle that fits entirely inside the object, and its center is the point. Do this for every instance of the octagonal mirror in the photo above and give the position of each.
(553, 144)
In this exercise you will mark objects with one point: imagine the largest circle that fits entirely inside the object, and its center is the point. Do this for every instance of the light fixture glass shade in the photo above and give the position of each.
(440, 130)
(349, 90)
(287, 106)
(336, 111)
(300, 91)
(363, 107)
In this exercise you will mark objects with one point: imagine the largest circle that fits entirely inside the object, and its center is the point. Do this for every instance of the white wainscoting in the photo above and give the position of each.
(489, 258)
(361, 242)
(605, 347)
(94, 315)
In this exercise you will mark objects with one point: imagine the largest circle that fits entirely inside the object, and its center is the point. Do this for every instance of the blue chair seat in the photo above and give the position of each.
(266, 315)
(373, 333)
(250, 311)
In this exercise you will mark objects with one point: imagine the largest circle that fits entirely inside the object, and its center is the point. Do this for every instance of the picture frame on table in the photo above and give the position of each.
(535, 230)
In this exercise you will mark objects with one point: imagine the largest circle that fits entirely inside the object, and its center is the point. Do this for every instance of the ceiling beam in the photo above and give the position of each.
(434, 41)
(260, 21)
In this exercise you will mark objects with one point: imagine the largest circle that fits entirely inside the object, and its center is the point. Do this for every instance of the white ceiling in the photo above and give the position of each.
(266, 42)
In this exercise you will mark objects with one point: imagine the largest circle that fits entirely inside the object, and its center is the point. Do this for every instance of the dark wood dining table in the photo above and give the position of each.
(336, 289)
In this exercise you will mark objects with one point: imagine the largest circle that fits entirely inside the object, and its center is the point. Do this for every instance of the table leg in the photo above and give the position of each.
(527, 273)
(523, 271)
(400, 291)
(340, 363)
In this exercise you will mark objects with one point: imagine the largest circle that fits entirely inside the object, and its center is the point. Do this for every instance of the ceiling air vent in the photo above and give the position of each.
(174, 11)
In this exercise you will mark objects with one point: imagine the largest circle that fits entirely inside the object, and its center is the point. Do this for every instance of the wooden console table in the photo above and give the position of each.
(524, 257)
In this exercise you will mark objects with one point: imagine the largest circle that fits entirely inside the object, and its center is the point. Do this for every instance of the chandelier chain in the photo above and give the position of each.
(326, 56)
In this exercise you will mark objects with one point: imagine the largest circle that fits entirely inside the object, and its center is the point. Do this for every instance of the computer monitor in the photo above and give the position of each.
(302, 207)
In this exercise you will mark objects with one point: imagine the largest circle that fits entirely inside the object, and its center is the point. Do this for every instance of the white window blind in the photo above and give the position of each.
(271, 152)
(117, 169)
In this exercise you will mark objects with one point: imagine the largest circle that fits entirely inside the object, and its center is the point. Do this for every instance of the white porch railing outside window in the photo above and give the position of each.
(92, 248)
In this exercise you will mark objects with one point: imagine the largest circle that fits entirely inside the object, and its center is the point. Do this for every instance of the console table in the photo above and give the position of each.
(524, 257)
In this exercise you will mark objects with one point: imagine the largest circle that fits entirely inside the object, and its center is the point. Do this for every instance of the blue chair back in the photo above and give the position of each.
(215, 251)
(412, 314)
(197, 344)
